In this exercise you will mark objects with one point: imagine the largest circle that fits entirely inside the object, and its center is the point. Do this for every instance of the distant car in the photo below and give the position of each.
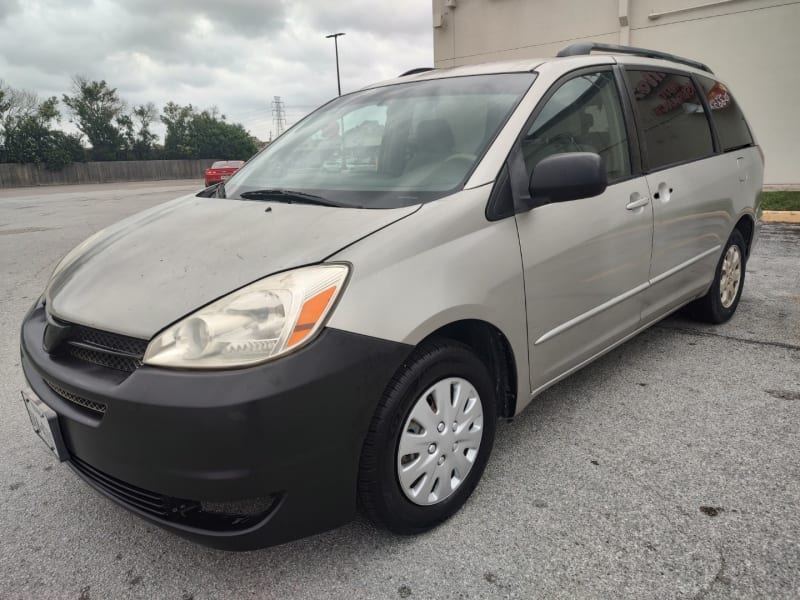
(221, 170)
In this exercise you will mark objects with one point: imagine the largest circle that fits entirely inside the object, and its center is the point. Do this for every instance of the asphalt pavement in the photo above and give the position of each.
(670, 468)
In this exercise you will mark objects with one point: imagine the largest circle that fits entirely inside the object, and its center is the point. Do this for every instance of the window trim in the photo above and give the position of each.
(717, 139)
(501, 199)
(715, 142)
(646, 168)
(516, 164)
(631, 122)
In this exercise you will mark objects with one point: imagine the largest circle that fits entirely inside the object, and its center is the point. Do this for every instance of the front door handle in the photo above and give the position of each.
(639, 202)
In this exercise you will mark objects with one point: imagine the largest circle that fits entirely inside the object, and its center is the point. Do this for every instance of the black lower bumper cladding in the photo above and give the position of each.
(187, 514)
(234, 459)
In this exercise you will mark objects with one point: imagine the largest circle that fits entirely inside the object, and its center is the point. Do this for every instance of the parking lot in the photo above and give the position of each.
(670, 468)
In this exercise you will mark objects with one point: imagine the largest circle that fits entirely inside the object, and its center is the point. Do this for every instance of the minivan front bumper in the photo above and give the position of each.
(285, 435)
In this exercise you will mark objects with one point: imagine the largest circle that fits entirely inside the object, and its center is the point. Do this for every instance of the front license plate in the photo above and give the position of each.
(45, 423)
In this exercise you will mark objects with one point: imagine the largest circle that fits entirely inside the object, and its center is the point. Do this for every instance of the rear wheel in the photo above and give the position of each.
(719, 304)
(429, 440)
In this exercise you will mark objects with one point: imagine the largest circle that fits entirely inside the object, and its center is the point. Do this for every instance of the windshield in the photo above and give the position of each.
(390, 146)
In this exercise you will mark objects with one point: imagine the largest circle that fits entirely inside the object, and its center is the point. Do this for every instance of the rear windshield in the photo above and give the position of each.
(390, 146)
(728, 119)
(223, 164)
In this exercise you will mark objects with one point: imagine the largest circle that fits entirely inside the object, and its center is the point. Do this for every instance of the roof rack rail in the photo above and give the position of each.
(417, 70)
(582, 48)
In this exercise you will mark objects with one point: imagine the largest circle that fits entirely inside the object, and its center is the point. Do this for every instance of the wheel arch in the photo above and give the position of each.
(494, 350)
(746, 225)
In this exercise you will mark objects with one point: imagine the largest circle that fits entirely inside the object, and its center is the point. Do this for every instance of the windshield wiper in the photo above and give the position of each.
(288, 196)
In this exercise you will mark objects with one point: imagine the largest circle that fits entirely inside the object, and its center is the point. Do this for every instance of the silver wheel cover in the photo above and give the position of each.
(439, 441)
(731, 276)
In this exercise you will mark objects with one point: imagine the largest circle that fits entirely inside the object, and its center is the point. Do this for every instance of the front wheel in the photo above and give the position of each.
(719, 304)
(429, 440)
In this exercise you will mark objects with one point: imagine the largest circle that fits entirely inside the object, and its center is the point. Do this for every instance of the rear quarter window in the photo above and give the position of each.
(728, 118)
(671, 116)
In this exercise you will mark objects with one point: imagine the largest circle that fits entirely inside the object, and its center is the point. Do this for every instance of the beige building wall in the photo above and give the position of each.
(753, 45)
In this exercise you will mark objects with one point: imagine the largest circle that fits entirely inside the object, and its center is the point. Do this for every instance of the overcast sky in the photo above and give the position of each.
(235, 54)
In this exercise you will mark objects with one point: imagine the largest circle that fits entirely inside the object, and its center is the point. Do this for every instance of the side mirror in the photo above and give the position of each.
(569, 176)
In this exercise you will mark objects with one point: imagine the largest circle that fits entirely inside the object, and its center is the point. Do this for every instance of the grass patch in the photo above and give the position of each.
(780, 201)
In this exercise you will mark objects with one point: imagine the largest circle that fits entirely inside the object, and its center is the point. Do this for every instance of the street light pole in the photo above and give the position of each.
(336, 46)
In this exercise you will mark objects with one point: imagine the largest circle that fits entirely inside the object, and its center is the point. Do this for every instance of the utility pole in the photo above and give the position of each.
(335, 37)
(278, 116)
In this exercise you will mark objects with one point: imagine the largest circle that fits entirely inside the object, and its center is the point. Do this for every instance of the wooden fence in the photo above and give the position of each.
(17, 175)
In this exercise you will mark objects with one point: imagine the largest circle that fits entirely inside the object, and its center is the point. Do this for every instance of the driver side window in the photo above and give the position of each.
(583, 115)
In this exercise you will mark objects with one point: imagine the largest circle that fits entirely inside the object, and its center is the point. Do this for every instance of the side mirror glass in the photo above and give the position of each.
(568, 176)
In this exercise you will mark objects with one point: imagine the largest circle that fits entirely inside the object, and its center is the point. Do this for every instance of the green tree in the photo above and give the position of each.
(5, 103)
(96, 109)
(25, 141)
(5, 106)
(177, 119)
(63, 149)
(204, 134)
(210, 136)
(15, 105)
(29, 137)
(144, 140)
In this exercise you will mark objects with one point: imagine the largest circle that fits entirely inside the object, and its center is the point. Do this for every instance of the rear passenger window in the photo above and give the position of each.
(727, 116)
(671, 117)
(583, 115)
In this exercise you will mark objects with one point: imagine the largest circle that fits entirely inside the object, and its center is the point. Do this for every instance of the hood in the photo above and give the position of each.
(151, 269)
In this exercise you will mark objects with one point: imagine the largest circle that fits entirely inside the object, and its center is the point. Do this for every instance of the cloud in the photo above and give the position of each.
(251, 18)
(234, 54)
(368, 16)
(7, 7)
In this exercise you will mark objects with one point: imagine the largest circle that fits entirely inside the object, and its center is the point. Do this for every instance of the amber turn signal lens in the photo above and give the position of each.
(312, 311)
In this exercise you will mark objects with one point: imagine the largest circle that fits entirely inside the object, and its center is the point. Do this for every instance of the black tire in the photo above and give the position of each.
(709, 308)
(380, 494)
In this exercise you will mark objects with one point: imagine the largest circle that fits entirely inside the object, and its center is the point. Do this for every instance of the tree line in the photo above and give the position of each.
(108, 129)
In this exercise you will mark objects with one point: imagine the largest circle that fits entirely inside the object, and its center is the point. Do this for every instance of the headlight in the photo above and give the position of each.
(254, 324)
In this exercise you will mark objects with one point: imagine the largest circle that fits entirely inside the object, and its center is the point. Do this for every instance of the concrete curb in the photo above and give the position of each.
(781, 216)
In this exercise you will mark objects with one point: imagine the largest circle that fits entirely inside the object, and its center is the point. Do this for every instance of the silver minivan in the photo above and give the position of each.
(345, 319)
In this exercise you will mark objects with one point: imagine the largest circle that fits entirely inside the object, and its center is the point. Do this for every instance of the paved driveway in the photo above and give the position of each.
(670, 468)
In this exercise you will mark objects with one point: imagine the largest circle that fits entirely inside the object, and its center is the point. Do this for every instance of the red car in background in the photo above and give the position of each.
(221, 170)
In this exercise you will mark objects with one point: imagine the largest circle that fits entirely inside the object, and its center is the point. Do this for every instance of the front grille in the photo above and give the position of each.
(107, 341)
(96, 408)
(106, 359)
(172, 510)
(103, 348)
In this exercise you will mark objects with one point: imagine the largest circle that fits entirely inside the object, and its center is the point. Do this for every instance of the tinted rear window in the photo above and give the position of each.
(222, 164)
(727, 116)
(671, 116)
